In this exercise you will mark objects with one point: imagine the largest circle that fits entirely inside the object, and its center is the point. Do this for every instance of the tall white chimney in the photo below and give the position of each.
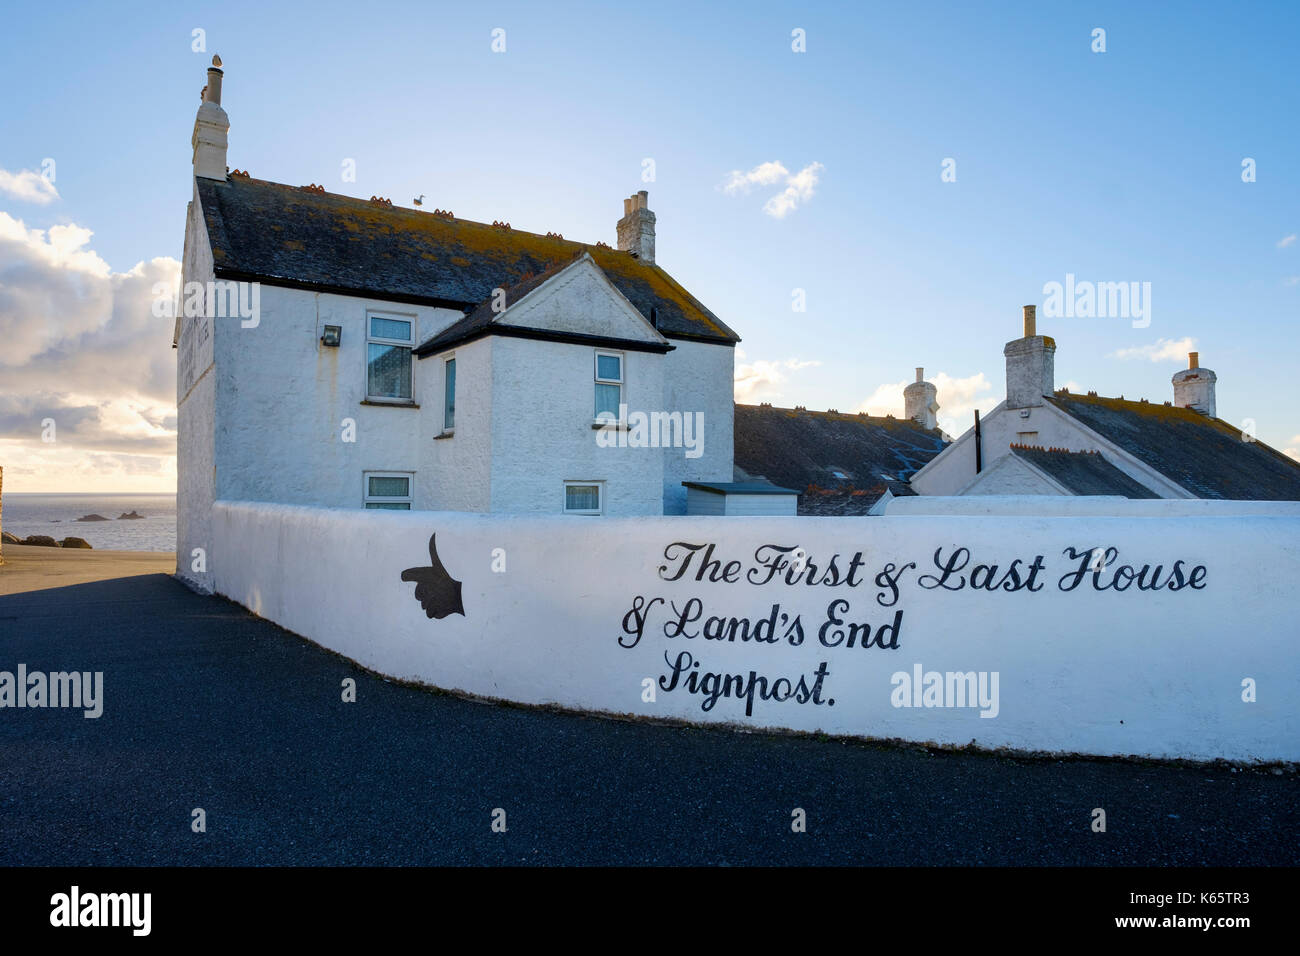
(1194, 386)
(920, 401)
(1031, 365)
(636, 230)
(210, 128)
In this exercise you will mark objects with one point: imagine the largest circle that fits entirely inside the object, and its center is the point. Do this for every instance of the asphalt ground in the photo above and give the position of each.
(207, 706)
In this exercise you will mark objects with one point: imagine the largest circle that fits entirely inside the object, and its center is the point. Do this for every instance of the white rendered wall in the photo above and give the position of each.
(543, 408)
(1010, 475)
(700, 377)
(1146, 672)
(456, 472)
(284, 402)
(195, 413)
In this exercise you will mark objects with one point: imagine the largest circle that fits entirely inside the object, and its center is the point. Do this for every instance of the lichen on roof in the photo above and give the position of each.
(1207, 456)
(412, 255)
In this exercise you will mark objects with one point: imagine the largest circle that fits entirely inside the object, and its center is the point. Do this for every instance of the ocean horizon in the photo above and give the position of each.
(56, 514)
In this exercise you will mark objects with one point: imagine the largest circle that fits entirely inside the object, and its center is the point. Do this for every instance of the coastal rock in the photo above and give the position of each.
(132, 515)
(40, 540)
(71, 542)
(92, 518)
(7, 538)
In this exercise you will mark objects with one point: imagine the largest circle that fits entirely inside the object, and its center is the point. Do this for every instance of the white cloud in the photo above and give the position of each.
(1293, 447)
(761, 380)
(1286, 241)
(764, 174)
(1164, 350)
(799, 187)
(81, 347)
(27, 186)
(957, 397)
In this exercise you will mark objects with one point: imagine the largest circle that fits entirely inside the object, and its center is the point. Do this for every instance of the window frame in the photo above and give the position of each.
(449, 391)
(600, 498)
(621, 382)
(409, 345)
(367, 498)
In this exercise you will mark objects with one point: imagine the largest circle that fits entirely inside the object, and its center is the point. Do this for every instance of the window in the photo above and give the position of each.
(609, 383)
(449, 397)
(583, 497)
(1027, 438)
(388, 491)
(389, 340)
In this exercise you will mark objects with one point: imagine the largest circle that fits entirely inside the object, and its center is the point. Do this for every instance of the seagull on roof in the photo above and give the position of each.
(420, 201)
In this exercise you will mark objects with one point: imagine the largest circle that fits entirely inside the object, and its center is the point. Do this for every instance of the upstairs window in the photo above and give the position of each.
(609, 383)
(389, 340)
(449, 397)
(389, 491)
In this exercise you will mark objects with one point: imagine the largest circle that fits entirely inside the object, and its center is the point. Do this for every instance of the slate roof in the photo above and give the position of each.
(288, 235)
(1083, 472)
(1207, 456)
(803, 450)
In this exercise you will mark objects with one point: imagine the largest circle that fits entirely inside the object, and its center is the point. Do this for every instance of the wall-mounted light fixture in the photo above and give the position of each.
(332, 336)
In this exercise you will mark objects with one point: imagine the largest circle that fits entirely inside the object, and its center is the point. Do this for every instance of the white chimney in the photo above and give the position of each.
(1194, 386)
(210, 128)
(636, 230)
(920, 401)
(1031, 365)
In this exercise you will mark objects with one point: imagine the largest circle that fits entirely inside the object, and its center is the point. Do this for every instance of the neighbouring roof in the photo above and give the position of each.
(1207, 456)
(1083, 472)
(805, 450)
(740, 487)
(835, 502)
(289, 235)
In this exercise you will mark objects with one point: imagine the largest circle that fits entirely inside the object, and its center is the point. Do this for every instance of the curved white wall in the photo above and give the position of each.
(1149, 672)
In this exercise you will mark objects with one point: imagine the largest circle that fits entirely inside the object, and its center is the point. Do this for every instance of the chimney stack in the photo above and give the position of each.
(1194, 386)
(920, 401)
(210, 128)
(636, 230)
(1031, 365)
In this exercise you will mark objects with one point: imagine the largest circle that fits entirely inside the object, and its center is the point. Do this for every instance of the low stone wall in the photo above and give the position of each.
(1168, 637)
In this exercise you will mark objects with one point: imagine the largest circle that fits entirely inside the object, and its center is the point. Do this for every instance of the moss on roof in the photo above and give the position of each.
(1207, 456)
(292, 236)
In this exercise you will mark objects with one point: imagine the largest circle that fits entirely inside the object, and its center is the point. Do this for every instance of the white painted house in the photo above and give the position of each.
(1043, 441)
(394, 358)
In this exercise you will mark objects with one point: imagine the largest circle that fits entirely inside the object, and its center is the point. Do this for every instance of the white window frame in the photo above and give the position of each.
(621, 381)
(380, 340)
(600, 493)
(448, 429)
(367, 498)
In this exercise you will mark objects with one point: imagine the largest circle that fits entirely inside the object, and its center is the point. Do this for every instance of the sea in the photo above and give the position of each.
(57, 514)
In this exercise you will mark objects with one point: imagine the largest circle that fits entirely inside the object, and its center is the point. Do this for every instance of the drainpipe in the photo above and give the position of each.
(979, 445)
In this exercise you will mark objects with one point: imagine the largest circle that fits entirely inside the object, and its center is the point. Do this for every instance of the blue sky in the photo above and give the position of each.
(1115, 166)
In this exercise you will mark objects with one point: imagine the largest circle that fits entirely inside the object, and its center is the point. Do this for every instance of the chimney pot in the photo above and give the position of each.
(1031, 321)
(920, 374)
(1193, 359)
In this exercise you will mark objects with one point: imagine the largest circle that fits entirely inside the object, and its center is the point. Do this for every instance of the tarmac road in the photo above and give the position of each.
(207, 706)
